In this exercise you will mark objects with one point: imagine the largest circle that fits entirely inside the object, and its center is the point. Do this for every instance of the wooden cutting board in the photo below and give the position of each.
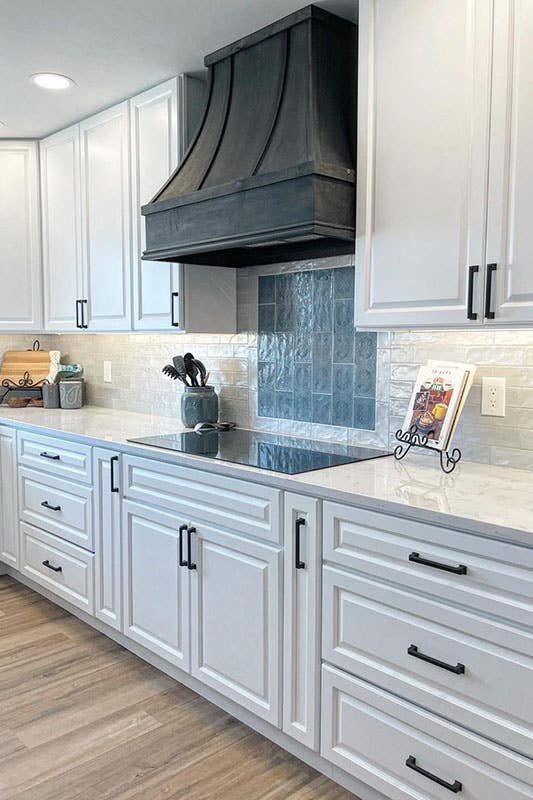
(40, 364)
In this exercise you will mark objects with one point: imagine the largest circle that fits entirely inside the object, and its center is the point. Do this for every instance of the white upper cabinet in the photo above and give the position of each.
(423, 140)
(61, 214)
(106, 246)
(154, 156)
(20, 237)
(510, 243)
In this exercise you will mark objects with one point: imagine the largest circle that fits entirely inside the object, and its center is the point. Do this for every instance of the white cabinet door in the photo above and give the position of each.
(301, 670)
(155, 586)
(20, 237)
(510, 244)
(154, 156)
(106, 219)
(107, 538)
(423, 130)
(235, 619)
(61, 214)
(9, 534)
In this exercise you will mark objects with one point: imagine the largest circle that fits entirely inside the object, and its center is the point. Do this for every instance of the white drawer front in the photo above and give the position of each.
(56, 456)
(57, 506)
(236, 505)
(373, 630)
(498, 578)
(59, 566)
(373, 734)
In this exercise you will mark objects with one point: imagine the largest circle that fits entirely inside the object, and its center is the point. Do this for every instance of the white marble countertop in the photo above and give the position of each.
(494, 501)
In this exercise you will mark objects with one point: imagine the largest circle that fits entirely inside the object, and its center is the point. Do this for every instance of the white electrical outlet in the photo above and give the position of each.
(107, 371)
(493, 397)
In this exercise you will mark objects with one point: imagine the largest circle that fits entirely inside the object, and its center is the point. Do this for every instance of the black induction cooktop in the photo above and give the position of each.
(263, 450)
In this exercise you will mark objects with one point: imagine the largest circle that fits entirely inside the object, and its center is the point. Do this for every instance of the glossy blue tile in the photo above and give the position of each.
(303, 300)
(303, 348)
(322, 408)
(285, 405)
(344, 317)
(343, 379)
(267, 289)
(322, 362)
(343, 282)
(285, 289)
(265, 347)
(285, 319)
(267, 316)
(365, 346)
(284, 355)
(266, 372)
(303, 410)
(364, 413)
(342, 409)
(322, 300)
(365, 381)
(302, 377)
(343, 348)
(266, 403)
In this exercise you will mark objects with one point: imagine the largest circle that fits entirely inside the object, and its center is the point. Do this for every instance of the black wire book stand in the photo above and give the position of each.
(413, 438)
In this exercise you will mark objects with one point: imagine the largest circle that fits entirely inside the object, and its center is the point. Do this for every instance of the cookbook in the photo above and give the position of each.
(439, 396)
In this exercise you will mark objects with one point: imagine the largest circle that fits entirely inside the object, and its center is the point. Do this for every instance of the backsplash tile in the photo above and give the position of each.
(324, 371)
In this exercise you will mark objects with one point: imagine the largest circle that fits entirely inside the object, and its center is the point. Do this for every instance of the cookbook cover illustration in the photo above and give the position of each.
(438, 398)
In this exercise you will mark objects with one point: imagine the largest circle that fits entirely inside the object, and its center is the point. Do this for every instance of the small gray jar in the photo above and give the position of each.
(199, 404)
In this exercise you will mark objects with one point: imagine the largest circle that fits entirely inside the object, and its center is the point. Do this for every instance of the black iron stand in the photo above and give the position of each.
(25, 387)
(413, 438)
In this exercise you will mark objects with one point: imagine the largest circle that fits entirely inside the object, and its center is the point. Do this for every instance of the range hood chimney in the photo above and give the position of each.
(270, 174)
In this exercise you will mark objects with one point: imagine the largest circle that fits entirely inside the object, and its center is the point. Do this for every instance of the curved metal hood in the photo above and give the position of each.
(270, 174)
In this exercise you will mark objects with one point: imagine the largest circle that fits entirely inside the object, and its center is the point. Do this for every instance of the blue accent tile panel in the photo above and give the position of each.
(313, 365)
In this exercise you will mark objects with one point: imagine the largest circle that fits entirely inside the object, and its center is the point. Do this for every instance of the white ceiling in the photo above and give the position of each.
(113, 49)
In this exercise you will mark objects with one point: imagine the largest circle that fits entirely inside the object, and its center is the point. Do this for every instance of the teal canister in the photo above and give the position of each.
(199, 404)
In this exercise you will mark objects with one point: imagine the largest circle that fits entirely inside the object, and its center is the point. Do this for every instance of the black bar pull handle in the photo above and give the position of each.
(78, 304)
(190, 532)
(182, 561)
(46, 504)
(173, 321)
(457, 669)
(50, 456)
(83, 323)
(112, 461)
(472, 270)
(298, 524)
(51, 566)
(454, 787)
(491, 269)
(460, 569)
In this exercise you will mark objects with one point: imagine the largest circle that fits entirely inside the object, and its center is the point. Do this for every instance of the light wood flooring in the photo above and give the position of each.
(81, 718)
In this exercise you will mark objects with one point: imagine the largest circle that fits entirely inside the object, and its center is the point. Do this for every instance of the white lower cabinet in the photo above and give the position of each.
(57, 565)
(407, 753)
(155, 586)
(9, 538)
(236, 618)
(107, 537)
(301, 628)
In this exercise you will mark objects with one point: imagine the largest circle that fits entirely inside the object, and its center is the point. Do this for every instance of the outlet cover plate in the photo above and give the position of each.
(107, 371)
(493, 397)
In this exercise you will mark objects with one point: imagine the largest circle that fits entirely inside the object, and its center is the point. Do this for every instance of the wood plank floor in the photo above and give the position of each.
(83, 719)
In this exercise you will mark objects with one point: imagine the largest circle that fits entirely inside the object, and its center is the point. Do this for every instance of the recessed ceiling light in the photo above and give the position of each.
(51, 80)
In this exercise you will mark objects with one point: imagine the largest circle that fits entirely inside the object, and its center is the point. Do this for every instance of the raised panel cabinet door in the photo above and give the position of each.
(509, 291)
(301, 626)
(61, 215)
(106, 205)
(9, 533)
(20, 237)
(155, 586)
(423, 138)
(236, 619)
(154, 156)
(107, 538)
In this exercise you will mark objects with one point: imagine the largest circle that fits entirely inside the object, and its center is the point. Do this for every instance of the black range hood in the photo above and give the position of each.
(270, 174)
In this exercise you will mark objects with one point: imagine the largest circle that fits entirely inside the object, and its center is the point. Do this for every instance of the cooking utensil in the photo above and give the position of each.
(192, 369)
(173, 373)
(202, 370)
(179, 364)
